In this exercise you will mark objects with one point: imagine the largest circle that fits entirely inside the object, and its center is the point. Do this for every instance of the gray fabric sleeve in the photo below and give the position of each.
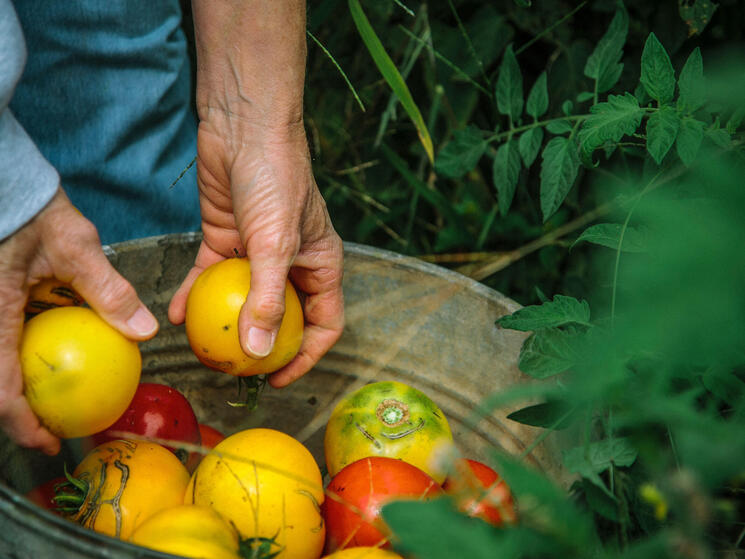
(27, 180)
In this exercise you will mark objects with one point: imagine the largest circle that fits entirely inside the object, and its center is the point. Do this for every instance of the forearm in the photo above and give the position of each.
(250, 63)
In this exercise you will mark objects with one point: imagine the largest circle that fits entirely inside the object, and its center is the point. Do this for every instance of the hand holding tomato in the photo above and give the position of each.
(61, 243)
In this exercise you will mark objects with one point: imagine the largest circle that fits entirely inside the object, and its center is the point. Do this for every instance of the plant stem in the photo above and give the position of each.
(471, 50)
(550, 28)
(534, 124)
(336, 64)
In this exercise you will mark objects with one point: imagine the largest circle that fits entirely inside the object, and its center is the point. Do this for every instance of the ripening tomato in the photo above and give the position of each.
(388, 419)
(189, 531)
(366, 552)
(210, 435)
(212, 308)
(79, 373)
(43, 494)
(268, 485)
(50, 293)
(160, 412)
(124, 482)
(479, 491)
(357, 493)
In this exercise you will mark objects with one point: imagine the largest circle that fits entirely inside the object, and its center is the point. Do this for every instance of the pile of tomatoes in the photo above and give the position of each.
(154, 476)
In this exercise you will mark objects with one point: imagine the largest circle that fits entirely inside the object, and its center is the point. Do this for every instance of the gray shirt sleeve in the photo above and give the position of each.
(27, 180)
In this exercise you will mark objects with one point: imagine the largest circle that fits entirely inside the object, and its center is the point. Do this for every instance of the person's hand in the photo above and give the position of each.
(258, 198)
(59, 242)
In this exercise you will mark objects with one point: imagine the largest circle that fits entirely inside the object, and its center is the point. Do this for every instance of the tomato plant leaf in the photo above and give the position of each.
(696, 14)
(689, 139)
(559, 127)
(609, 235)
(662, 129)
(593, 459)
(462, 153)
(505, 172)
(724, 384)
(529, 145)
(604, 65)
(719, 136)
(562, 310)
(691, 85)
(555, 415)
(549, 351)
(610, 121)
(391, 74)
(537, 103)
(510, 86)
(658, 75)
(558, 172)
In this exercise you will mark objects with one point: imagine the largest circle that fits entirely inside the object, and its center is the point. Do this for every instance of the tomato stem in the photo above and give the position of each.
(259, 548)
(253, 385)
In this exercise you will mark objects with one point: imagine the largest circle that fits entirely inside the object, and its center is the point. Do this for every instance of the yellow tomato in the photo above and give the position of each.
(79, 373)
(388, 419)
(268, 485)
(363, 553)
(51, 293)
(189, 530)
(212, 310)
(127, 482)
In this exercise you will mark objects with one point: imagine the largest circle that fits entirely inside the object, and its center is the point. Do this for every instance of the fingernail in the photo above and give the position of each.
(142, 322)
(260, 341)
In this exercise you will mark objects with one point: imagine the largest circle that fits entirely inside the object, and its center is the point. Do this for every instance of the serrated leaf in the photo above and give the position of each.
(691, 85)
(549, 351)
(462, 153)
(537, 103)
(689, 139)
(505, 172)
(609, 235)
(510, 86)
(610, 121)
(603, 64)
(658, 76)
(562, 310)
(662, 129)
(529, 145)
(391, 74)
(547, 415)
(591, 460)
(559, 169)
(559, 127)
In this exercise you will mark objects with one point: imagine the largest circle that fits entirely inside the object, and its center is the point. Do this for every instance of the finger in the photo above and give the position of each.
(316, 342)
(23, 427)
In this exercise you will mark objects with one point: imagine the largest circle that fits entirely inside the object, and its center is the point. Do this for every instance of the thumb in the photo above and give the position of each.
(261, 314)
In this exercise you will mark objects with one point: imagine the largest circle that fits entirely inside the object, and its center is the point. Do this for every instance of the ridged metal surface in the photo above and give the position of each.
(406, 320)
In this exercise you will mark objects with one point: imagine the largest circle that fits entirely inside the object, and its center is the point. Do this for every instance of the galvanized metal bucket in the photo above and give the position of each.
(406, 320)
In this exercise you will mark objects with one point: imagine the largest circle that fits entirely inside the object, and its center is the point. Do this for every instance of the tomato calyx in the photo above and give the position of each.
(392, 412)
(259, 548)
(69, 495)
(253, 385)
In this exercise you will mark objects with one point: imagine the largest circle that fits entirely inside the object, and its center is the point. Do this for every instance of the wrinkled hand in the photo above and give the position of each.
(258, 198)
(59, 242)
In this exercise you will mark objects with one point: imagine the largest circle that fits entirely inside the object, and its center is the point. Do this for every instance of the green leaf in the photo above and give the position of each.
(583, 96)
(548, 415)
(391, 75)
(724, 384)
(529, 145)
(510, 86)
(593, 459)
(609, 235)
(558, 172)
(719, 136)
(599, 501)
(562, 310)
(537, 103)
(505, 172)
(689, 139)
(524, 3)
(549, 351)
(662, 129)
(735, 120)
(610, 121)
(434, 529)
(691, 85)
(603, 64)
(696, 14)
(462, 153)
(658, 75)
(559, 127)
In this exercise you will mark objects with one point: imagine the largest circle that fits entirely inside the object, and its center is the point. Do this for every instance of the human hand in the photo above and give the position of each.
(258, 198)
(59, 242)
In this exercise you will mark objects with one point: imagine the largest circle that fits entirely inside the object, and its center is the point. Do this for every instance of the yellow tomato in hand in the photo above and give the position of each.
(268, 485)
(125, 483)
(212, 310)
(189, 530)
(79, 373)
(388, 419)
(50, 293)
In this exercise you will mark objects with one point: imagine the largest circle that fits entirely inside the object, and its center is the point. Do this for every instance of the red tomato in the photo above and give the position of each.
(356, 494)
(479, 491)
(43, 495)
(161, 412)
(210, 435)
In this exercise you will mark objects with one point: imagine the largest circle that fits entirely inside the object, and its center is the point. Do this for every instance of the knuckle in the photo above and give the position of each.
(270, 306)
(117, 293)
